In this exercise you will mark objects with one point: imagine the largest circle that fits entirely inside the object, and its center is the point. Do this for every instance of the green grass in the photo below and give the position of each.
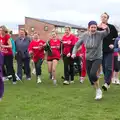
(29, 101)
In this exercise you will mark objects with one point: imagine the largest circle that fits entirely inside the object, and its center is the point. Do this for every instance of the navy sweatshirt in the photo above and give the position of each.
(109, 39)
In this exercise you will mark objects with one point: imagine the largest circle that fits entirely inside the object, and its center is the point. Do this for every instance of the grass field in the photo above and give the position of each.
(29, 101)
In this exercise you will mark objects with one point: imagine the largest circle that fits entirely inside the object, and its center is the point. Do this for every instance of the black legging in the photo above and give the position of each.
(68, 68)
(8, 64)
(92, 69)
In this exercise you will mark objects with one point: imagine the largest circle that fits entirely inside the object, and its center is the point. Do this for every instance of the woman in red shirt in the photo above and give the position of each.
(68, 42)
(36, 50)
(7, 52)
(83, 63)
(53, 59)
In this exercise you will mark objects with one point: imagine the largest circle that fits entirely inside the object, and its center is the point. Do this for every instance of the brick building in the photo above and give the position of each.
(44, 27)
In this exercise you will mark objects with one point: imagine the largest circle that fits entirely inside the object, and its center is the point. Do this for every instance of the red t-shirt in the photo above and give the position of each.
(4, 41)
(55, 47)
(34, 47)
(68, 43)
(82, 49)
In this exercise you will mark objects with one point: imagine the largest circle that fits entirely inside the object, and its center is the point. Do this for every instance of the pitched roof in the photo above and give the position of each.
(58, 23)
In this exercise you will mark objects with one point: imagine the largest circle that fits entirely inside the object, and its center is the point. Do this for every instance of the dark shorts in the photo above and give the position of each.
(53, 59)
(116, 64)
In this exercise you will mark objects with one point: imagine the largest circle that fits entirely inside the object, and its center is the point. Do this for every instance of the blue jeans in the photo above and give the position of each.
(26, 63)
(107, 64)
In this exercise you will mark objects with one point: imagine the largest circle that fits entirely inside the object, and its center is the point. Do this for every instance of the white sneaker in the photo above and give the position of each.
(113, 81)
(105, 87)
(28, 79)
(81, 81)
(98, 94)
(117, 82)
(52, 78)
(14, 83)
(9, 77)
(72, 82)
(0, 99)
(66, 83)
(39, 80)
(34, 72)
(17, 77)
(55, 82)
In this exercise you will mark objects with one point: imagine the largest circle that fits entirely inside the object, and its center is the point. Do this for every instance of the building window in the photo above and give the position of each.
(76, 31)
(32, 29)
(59, 29)
(63, 30)
(73, 30)
(46, 28)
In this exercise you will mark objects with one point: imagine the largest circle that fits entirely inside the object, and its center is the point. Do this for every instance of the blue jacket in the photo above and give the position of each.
(22, 46)
(116, 48)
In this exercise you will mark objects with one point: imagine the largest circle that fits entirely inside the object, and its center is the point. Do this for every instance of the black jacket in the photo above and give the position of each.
(109, 39)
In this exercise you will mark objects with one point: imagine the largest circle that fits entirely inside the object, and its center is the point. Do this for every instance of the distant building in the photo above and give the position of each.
(44, 27)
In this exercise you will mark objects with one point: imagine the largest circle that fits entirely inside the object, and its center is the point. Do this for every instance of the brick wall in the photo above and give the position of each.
(38, 27)
(21, 26)
(14, 36)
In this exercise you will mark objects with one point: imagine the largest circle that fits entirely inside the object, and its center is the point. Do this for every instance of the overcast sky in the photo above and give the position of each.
(79, 12)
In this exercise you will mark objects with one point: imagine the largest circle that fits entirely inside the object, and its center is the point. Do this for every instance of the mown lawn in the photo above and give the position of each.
(29, 101)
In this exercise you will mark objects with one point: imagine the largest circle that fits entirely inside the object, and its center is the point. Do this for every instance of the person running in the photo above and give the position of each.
(77, 59)
(36, 50)
(53, 59)
(115, 79)
(22, 55)
(93, 42)
(108, 45)
(1, 80)
(6, 48)
(32, 62)
(82, 61)
(68, 41)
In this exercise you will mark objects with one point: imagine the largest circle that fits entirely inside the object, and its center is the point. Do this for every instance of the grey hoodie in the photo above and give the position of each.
(93, 43)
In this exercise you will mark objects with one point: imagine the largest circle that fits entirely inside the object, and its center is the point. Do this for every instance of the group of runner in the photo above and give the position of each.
(96, 48)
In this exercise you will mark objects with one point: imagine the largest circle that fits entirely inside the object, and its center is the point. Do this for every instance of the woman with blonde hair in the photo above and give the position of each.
(53, 59)
(6, 49)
